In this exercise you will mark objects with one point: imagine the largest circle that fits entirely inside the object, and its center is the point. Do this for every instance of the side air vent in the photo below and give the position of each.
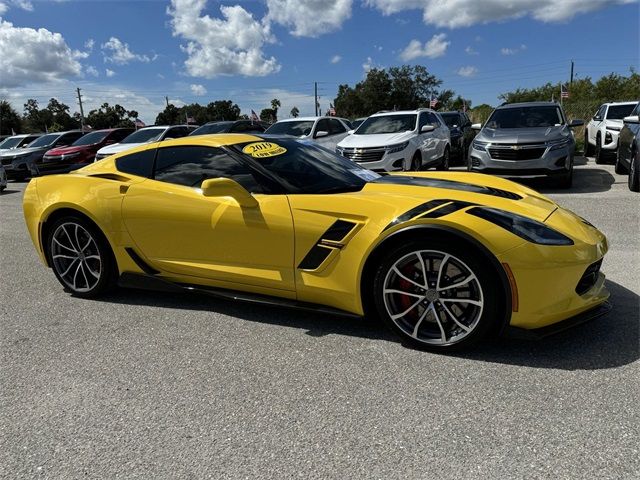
(315, 257)
(327, 243)
(338, 230)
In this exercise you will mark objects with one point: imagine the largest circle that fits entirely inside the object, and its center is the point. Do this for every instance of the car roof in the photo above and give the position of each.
(403, 112)
(610, 104)
(308, 119)
(23, 135)
(528, 104)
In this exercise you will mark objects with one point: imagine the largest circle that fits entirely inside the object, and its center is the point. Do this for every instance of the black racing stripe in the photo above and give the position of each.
(338, 230)
(429, 209)
(454, 206)
(449, 184)
(315, 257)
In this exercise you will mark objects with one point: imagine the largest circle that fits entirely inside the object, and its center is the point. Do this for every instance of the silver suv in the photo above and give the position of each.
(525, 139)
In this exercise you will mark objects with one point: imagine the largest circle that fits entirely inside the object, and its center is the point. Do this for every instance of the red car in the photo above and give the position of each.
(80, 153)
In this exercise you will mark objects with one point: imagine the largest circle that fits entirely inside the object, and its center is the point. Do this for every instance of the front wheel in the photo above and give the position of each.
(619, 168)
(599, 154)
(588, 150)
(416, 162)
(634, 173)
(445, 160)
(81, 258)
(436, 295)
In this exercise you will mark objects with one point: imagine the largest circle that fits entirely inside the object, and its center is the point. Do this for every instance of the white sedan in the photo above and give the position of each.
(326, 131)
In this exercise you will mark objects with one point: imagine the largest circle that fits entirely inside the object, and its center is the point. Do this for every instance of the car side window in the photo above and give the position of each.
(432, 119)
(139, 163)
(177, 132)
(323, 126)
(239, 127)
(190, 165)
(424, 120)
(336, 127)
(119, 135)
(69, 138)
(255, 127)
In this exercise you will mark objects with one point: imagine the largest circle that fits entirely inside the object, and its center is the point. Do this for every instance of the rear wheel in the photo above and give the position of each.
(588, 149)
(416, 162)
(436, 295)
(634, 173)
(81, 258)
(619, 168)
(566, 179)
(599, 154)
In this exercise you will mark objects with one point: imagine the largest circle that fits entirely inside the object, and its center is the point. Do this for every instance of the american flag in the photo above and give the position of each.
(139, 123)
(434, 102)
(332, 110)
(564, 91)
(254, 116)
(190, 120)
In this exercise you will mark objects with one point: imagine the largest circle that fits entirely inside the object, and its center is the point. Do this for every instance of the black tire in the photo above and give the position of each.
(416, 162)
(81, 257)
(599, 154)
(619, 168)
(437, 334)
(445, 161)
(634, 172)
(566, 179)
(588, 149)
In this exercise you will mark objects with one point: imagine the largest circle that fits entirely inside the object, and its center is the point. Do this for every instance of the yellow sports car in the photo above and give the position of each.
(444, 258)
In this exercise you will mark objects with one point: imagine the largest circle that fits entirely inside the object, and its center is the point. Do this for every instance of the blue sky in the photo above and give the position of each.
(136, 52)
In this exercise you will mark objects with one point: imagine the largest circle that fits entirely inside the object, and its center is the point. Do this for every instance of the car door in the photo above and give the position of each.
(594, 124)
(180, 231)
(326, 141)
(338, 130)
(428, 141)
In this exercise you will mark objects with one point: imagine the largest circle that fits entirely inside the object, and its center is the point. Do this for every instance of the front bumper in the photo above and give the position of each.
(610, 139)
(552, 162)
(388, 162)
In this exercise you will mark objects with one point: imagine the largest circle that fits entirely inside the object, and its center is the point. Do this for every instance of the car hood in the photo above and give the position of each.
(614, 122)
(19, 152)
(375, 140)
(523, 135)
(117, 148)
(67, 150)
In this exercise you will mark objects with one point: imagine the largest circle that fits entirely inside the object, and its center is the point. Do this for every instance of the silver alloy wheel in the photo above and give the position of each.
(433, 297)
(75, 257)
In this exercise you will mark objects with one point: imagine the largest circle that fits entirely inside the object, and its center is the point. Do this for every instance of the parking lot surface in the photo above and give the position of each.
(150, 385)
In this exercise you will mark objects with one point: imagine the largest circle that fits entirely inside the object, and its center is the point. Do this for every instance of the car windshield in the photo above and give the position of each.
(305, 167)
(11, 142)
(525, 117)
(212, 128)
(297, 129)
(450, 119)
(357, 122)
(618, 112)
(387, 124)
(44, 140)
(145, 135)
(90, 138)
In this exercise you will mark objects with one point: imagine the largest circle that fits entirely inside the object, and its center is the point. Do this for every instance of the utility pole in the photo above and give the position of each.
(315, 89)
(571, 76)
(81, 110)
(166, 99)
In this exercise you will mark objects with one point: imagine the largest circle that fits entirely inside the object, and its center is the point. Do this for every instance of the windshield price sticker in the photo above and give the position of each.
(263, 149)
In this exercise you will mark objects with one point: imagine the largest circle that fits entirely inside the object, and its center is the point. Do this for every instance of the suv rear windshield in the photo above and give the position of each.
(11, 142)
(387, 124)
(45, 140)
(90, 139)
(618, 112)
(451, 119)
(525, 117)
(212, 128)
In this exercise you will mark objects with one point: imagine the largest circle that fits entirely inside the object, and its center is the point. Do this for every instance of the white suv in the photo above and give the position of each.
(325, 131)
(405, 140)
(601, 133)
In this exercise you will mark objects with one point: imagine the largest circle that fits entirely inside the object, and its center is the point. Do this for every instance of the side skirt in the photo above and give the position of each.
(150, 282)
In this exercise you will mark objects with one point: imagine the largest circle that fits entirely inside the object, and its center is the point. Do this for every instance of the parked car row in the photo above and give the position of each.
(602, 132)
(627, 161)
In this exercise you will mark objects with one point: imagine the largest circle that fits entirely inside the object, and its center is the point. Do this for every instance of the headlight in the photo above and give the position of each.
(531, 230)
(615, 129)
(560, 144)
(478, 145)
(71, 155)
(398, 147)
(339, 150)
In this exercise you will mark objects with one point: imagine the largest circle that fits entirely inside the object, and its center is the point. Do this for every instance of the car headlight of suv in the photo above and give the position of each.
(615, 129)
(560, 144)
(339, 150)
(67, 156)
(478, 145)
(531, 230)
(398, 147)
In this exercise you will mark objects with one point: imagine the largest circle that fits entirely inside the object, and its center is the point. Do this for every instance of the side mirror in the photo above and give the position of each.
(476, 126)
(631, 119)
(350, 132)
(427, 128)
(576, 123)
(321, 133)
(225, 187)
(597, 118)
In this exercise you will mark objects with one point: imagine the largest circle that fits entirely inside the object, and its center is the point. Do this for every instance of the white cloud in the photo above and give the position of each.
(93, 71)
(309, 18)
(198, 90)
(34, 56)
(89, 44)
(434, 48)
(369, 64)
(23, 4)
(229, 46)
(470, 51)
(464, 13)
(120, 53)
(3, 7)
(109, 73)
(336, 59)
(467, 71)
(513, 51)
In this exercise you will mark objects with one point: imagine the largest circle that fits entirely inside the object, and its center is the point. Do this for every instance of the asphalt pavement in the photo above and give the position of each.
(149, 385)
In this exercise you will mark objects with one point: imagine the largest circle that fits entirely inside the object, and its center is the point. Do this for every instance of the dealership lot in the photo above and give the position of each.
(150, 385)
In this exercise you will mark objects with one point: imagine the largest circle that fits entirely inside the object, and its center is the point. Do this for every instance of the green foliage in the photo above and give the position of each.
(398, 88)
(295, 112)
(9, 119)
(481, 113)
(111, 117)
(214, 111)
(55, 115)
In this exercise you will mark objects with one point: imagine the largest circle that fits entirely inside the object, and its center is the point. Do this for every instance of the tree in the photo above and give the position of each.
(223, 110)
(275, 105)
(270, 115)
(110, 117)
(10, 120)
(58, 114)
(295, 112)
(169, 116)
